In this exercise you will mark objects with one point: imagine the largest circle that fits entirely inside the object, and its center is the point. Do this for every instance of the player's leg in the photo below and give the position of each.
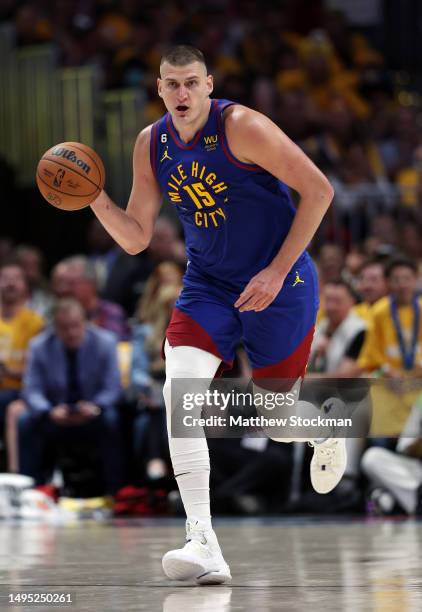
(200, 337)
(278, 342)
(189, 455)
(330, 456)
(201, 557)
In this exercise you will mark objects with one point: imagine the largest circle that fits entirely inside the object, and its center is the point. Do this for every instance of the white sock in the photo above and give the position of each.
(189, 456)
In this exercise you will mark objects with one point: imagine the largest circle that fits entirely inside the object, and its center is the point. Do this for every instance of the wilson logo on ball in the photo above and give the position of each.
(72, 157)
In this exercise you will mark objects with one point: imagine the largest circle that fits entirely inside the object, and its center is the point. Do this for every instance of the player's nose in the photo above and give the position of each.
(182, 93)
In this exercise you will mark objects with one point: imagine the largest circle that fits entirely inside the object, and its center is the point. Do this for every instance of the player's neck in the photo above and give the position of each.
(187, 132)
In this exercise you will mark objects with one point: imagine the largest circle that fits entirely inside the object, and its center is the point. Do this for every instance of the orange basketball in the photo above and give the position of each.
(70, 175)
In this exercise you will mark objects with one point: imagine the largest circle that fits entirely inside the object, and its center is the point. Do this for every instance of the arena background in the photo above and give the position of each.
(343, 79)
(87, 72)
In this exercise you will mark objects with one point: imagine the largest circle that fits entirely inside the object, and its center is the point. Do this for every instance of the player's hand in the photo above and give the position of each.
(261, 290)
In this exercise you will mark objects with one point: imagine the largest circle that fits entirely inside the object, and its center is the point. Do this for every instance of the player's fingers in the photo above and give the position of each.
(244, 296)
(259, 308)
(256, 302)
(250, 303)
(260, 298)
(256, 289)
(263, 304)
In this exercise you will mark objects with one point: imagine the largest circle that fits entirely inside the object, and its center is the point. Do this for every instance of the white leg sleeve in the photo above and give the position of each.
(189, 456)
(398, 474)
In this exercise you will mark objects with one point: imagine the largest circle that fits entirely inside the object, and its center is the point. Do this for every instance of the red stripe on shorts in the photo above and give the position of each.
(289, 369)
(185, 331)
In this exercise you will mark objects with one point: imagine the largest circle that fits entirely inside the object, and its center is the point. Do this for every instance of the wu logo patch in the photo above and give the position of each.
(166, 155)
(297, 280)
(211, 142)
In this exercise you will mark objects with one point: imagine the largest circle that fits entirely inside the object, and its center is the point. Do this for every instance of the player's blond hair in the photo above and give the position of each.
(182, 55)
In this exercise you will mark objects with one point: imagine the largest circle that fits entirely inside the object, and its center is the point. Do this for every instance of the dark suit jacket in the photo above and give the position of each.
(45, 379)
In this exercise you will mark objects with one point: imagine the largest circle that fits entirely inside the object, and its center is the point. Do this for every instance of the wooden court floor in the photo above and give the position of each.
(277, 564)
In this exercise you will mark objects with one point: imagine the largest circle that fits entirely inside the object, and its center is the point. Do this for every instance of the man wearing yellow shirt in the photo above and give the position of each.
(393, 349)
(18, 325)
(372, 287)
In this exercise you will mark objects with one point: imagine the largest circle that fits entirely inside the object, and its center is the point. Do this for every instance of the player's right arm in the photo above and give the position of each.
(132, 228)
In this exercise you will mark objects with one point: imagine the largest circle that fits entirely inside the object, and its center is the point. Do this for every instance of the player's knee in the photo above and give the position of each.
(190, 362)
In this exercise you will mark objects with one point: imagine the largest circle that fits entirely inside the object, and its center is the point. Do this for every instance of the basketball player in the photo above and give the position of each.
(226, 168)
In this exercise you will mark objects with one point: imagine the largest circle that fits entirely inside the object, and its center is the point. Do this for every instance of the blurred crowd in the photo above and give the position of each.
(81, 378)
(81, 370)
(323, 81)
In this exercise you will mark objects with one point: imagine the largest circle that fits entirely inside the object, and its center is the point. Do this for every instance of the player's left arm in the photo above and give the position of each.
(254, 138)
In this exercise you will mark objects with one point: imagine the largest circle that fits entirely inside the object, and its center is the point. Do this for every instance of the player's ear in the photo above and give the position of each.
(210, 83)
(159, 82)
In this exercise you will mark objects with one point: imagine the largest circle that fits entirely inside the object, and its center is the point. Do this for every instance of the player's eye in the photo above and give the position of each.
(191, 83)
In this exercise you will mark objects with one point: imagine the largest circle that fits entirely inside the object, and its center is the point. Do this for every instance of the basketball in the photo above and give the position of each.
(70, 175)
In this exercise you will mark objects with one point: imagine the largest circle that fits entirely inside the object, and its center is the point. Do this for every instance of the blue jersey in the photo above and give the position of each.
(235, 215)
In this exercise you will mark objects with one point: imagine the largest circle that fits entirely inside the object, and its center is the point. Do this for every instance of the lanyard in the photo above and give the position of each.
(408, 354)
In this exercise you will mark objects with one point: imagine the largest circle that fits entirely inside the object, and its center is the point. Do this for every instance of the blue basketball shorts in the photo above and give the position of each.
(277, 340)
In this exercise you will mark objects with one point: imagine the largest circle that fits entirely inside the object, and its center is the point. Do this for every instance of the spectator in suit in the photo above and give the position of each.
(71, 389)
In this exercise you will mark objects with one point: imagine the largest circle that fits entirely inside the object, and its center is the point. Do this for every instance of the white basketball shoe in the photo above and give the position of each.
(200, 559)
(328, 464)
